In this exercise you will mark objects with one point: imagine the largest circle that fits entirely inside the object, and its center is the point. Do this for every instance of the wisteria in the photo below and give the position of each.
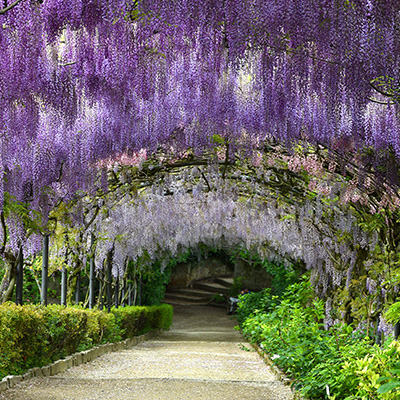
(98, 99)
(86, 81)
(192, 206)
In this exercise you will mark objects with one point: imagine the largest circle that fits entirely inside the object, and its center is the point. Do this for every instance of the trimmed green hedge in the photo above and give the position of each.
(33, 336)
(133, 321)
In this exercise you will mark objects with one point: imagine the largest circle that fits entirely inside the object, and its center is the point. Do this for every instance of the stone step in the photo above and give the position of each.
(224, 281)
(192, 292)
(180, 302)
(187, 297)
(201, 292)
(211, 287)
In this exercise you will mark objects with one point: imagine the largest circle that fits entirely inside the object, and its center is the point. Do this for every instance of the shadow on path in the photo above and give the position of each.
(202, 323)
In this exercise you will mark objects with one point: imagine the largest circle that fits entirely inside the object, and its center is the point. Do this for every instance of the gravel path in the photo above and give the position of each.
(201, 357)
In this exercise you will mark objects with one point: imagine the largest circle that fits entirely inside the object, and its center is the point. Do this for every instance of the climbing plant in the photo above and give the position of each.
(161, 125)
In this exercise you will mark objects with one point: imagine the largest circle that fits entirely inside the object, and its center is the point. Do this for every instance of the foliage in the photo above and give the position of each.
(345, 361)
(254, 303)
(31, 284)
(281, 275)
(153, 278)
(393, 313)
(391, 380)
(133, 321)
(370, 371)
(218, 298)
(154, 285)
(236, 286)
(34, 335)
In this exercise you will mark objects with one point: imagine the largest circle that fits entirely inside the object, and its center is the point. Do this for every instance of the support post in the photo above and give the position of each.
(135, 292)
(130, 290)
(101, 303)
(64, 274)
(397, 330)
(109, 282)
(78, 288)
(92, 273)
(101, 290)
(45, 269)
(124, 288)
(116, 291)
(20, 279)
(140, 292)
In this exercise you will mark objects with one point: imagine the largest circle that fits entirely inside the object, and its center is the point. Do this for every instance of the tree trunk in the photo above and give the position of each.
(8, 282)
(102, 287)
(72, 278)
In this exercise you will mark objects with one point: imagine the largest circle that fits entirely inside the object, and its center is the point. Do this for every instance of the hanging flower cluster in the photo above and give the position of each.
(84, 81)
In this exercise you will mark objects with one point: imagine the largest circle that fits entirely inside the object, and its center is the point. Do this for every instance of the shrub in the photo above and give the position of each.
(135, 320)
(21, 338)
(131, 320)
(160, 317)
(236, 287)
(66, 329)
(34, 335)
(253, 303)
(335, 364)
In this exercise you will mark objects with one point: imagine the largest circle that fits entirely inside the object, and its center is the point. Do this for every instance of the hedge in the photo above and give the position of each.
(33, 336)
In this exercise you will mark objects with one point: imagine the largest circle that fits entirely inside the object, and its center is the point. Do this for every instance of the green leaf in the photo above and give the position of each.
(218, 139)
(387, 387)
(395, 371)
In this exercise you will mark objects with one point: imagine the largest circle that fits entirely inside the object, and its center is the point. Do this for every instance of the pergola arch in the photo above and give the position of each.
(291, 107)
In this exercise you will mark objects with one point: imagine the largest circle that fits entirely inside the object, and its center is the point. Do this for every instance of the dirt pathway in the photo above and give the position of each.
(201, 357)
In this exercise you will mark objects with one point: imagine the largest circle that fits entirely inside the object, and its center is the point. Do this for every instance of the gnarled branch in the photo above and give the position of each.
(8, 8)
(380, 90)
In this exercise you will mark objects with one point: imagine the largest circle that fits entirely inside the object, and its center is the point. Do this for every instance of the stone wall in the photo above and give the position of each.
(254, 277)
(184, 273)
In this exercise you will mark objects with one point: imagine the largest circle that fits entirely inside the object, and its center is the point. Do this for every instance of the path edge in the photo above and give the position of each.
(75, 359)
(276, 371)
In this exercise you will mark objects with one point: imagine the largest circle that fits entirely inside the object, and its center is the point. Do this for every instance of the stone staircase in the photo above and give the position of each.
(201, 292)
